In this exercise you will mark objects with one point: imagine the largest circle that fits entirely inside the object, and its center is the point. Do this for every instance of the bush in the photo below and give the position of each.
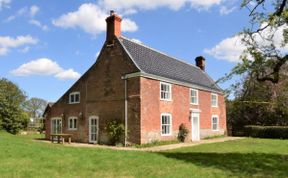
(267, 131)
(183, 132)
(115, 131)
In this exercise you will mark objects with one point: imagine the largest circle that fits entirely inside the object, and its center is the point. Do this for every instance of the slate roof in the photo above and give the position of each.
(151, 61)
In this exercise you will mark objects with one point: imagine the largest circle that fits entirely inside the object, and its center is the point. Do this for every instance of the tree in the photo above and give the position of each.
(264, 58)
(35, 107)
(12, 116)
(258, 103)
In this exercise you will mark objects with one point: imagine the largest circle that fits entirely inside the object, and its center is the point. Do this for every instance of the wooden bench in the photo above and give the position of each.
(60, 138)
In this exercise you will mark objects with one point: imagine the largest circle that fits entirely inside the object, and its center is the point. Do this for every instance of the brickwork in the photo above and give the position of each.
(179, 107)
(102, 95)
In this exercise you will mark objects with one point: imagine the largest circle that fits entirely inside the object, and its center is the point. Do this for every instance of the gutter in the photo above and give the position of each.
(126, 109)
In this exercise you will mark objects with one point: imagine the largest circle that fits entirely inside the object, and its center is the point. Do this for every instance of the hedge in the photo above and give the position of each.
(267, 131)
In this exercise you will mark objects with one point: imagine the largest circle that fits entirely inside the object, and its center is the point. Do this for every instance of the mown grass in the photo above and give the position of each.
(20, 156)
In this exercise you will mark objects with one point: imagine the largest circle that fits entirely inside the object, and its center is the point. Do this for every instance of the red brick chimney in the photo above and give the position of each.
(113, 27)
(200, 62)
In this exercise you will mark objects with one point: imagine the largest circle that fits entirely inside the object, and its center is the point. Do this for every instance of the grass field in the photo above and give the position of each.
(20, 156)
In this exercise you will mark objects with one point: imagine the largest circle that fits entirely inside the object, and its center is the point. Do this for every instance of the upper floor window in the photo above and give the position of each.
(214, 100)
(166, 124)
(165, 91)
(72, 123)
(193, 96)
(74, 97)
(215, 123)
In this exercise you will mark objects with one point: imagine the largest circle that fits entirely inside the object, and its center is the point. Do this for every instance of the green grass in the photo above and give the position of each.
(22, 157)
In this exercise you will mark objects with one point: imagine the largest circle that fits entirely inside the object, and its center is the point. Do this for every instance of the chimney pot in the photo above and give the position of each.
(200, 62)
(113, 27)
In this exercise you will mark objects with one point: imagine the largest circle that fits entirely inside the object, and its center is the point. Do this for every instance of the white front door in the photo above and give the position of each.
(56, 125)
(93, 129)
(195, 121)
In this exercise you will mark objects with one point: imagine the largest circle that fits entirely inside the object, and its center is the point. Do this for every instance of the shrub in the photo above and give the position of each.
(267, 131)
(183, 132)
(115, 131)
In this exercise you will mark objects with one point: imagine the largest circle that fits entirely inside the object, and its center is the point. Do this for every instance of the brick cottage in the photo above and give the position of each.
(148, 91)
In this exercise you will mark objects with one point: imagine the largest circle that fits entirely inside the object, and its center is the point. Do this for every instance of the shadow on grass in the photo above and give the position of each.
(239, 164)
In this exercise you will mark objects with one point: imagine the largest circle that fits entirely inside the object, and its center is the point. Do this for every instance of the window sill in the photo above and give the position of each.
(165, 135)
(165, 99)
(72, 129)
(74, 103)
(196, 104)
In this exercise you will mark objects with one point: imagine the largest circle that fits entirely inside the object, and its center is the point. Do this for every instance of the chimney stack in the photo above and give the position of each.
(200, 62)
(113, 27)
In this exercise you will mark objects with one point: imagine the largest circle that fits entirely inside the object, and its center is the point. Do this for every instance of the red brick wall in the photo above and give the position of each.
(102, 95)
(179, 108)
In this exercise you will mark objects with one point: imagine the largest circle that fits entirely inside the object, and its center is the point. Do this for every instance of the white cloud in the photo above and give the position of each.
(4, 4)
(6, 42)
(25, 49)
(33, 10)
(134, 5)
(90, 18)
(45, 66)
(10, 18)
(67, 75)
(39, 24)
(230, 49)
(225, 10)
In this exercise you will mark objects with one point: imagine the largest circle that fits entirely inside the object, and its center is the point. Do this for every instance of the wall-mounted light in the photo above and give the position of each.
(80, 115)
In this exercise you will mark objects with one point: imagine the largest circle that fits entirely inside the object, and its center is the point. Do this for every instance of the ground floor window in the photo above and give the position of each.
(72, 123)
(166, 124)
(215, 123)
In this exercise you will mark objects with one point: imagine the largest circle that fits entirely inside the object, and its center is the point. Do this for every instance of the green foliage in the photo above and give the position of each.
(115, 131)
(257, 103)
(12, 117)
(267, 131)
(183, 132)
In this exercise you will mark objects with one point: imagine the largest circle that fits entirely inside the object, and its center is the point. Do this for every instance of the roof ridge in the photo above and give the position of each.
(146, 46)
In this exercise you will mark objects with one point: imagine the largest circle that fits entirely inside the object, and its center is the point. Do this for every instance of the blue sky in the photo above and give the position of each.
(46, 45)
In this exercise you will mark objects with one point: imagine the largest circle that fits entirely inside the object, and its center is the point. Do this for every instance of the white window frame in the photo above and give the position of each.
(213, 94)
(161, 124)
(170, 94)
(197, 96)
(212, 128)
(74, 93)
(74, 127)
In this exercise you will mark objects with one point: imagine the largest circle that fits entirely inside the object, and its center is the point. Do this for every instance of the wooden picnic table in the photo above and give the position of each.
(60, 137)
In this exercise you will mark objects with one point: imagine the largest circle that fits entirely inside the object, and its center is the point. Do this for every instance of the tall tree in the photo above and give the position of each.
(265, 55)
(12, 116)
(35, 107)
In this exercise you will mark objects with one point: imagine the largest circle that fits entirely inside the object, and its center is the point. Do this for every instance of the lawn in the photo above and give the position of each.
(20, 156)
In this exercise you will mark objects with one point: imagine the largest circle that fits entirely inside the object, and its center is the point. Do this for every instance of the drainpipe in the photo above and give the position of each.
(126, 111)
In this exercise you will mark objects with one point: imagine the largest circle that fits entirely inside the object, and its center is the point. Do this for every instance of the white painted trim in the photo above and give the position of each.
(72, 117)
(195, 110)
(214, 94)
(170, 87)
(171, 124)
(55, 118)
(74, 93)
(216, 116)
(197, 96)
(164, 79)
(192, 125)
(97, 133)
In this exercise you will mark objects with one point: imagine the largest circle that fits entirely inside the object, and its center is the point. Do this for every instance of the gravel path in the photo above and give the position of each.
(155, 148)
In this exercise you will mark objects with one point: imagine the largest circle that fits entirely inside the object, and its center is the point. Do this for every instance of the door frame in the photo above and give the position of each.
(193, 113)
(56, 118)
(89, 127)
